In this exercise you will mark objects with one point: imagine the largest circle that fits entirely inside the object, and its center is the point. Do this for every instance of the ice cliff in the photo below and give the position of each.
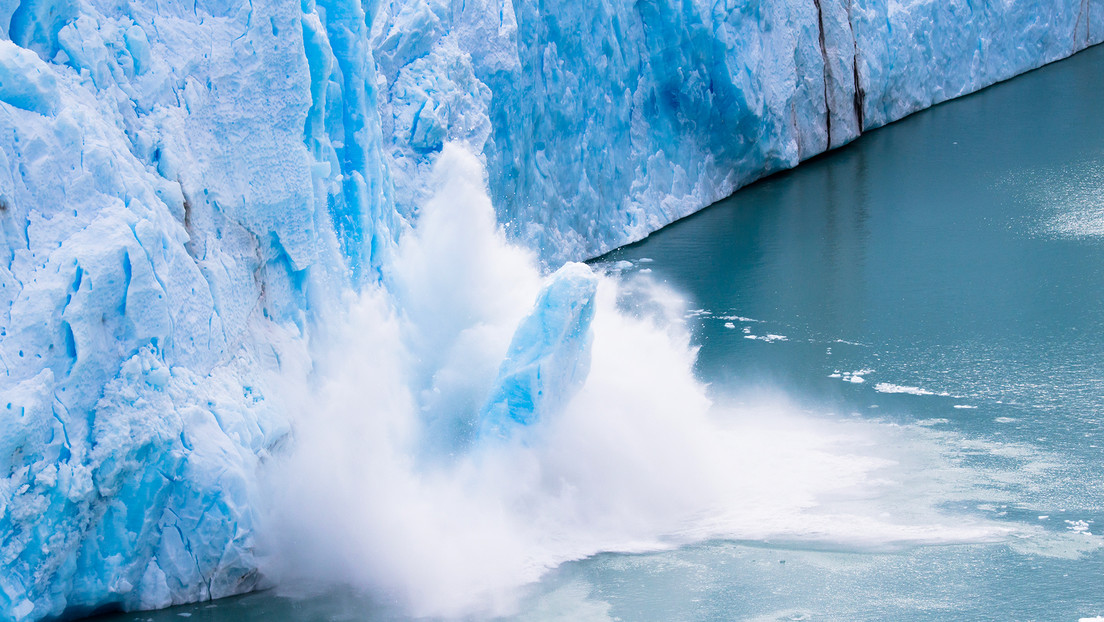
(185, 185)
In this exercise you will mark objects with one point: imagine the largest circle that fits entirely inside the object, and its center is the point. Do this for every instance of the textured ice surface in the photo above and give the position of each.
(602, 121)
(181, 183)
(175, 187)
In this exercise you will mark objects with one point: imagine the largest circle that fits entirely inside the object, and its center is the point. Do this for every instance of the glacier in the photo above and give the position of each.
(186, 187)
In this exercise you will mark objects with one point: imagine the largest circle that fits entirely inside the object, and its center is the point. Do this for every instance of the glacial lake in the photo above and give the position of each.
(942, 278)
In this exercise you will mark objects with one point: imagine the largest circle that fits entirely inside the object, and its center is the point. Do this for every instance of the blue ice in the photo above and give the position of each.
(549, 355)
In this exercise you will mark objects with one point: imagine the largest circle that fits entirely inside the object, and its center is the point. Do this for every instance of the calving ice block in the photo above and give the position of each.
(549, 356)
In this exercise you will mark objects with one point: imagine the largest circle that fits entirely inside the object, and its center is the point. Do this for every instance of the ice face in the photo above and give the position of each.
(603, 121)
(174, 189)
(184, 184)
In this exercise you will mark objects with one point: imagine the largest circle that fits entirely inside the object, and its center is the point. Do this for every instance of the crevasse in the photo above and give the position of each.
(184, 184)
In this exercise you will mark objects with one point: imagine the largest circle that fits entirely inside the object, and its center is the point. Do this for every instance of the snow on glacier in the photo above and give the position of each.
(184, 185)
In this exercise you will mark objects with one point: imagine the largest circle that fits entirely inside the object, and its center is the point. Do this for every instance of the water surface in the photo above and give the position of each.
(945, 271)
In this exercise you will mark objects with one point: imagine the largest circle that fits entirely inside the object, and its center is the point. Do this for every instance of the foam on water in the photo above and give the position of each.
(388, 488)
(886, 387)
(769, 337)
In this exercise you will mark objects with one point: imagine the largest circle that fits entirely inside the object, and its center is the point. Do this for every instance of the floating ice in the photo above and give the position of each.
(1078, 526)
(769, 338)
(885, 387)
(737, 318)
(855, 377)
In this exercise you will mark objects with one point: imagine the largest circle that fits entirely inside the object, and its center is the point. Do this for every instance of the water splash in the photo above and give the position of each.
(389, 488)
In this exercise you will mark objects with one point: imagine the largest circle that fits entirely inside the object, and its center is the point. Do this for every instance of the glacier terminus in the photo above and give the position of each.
(188, 190)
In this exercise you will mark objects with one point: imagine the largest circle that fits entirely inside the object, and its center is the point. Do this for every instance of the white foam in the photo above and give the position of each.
(769, 338)
(885, 387)
(850, 343)
(738, 318)
(619, 266)
(932, 422)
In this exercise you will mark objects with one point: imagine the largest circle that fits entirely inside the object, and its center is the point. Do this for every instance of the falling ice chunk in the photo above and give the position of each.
(549, 356)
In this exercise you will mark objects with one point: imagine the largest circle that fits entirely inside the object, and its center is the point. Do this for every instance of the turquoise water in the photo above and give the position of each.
(959, 253)
(941, 278)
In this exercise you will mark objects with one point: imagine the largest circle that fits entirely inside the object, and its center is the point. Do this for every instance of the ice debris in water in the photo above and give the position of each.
(855, 377)
(887, 387)
(549, 356)
(769, 337)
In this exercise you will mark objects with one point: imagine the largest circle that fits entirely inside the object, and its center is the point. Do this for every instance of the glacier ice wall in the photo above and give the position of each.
(602, 121)
(183, 185)
(180, 182)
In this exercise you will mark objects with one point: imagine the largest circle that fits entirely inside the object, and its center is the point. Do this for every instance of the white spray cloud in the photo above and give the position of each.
(386, 489)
